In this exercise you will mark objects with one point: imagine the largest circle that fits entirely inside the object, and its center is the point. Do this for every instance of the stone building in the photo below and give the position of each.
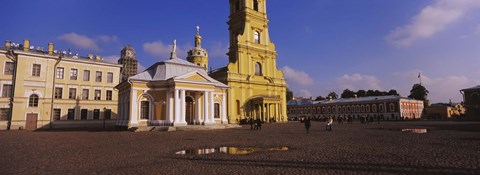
(471, 98)
(173, 92)
(257, 86)
(129, 62)
(55, 89)
(386, 107)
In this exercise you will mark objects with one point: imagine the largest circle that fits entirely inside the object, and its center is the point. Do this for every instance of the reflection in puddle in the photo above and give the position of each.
(416, 131)
(229, 150)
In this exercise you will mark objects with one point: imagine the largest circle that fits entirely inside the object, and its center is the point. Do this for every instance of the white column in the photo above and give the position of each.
(212, 108)
(197, 108)
(167, 107)
(134, 111)
(206, 119)
(176, 101)
(224, 109)
(182, 109)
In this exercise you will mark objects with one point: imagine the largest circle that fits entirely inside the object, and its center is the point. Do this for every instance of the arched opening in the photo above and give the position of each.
(258, 69)
(238, 107)
(217, 111)
(189, 110)
(33, 100)
(256, 37)
(145, 110)
(255, 5)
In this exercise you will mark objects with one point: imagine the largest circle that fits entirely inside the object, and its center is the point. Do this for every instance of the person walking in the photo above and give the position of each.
(329, 124)
(307, 124)
(250, 121)
(259, 124)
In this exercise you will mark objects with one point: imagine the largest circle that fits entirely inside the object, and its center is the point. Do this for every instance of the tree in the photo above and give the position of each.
(418, 92)
(333, 95)
(370, 93)
(320, 98)
(361, 93)
(289, 94)
(347, 93)
(393, 92)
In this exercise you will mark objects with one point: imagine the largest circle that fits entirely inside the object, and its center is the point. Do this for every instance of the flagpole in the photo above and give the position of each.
(420, 77)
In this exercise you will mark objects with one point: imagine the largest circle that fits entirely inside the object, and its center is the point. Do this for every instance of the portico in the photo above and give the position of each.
(266, 108)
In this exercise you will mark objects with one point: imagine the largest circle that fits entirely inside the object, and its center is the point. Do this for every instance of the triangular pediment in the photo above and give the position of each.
(196, 77)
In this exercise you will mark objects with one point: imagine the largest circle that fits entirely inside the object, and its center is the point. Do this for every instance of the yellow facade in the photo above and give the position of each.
(257, 86)
(58, 80)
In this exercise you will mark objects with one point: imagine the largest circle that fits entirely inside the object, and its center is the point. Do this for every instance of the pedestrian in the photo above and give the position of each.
(250, 121)
(329, 124)
(307, 124)
(259, 124)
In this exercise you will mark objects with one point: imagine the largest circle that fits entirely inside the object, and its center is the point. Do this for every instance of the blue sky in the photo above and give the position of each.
(323, 45)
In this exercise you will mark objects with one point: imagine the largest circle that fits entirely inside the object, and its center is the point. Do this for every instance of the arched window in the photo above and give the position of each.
(392, 107)
(33, 100)
(258, 69)
(374, 108)
(256, 37)
(255, 5)
(145, 110)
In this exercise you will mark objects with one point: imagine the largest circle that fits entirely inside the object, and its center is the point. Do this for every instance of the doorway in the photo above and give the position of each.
(31, 122)
(189, 110)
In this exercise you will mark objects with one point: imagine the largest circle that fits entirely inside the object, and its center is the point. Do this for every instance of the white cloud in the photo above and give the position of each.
(296, 76)
(304, 93)
(441, 89)
(80, 41)
(108, 39)
(218, 49)
(358, 81)
(431, 20)
(111, 59)
(157, 48)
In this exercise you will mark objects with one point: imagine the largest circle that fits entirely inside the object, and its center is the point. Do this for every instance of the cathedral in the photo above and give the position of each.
(178, 92)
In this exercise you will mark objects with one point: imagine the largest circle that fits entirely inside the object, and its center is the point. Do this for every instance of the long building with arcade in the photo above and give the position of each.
(385, 107)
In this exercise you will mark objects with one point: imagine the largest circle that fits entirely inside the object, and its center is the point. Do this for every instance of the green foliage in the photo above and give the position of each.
(418, 92)
(333, 95)
(289, 94)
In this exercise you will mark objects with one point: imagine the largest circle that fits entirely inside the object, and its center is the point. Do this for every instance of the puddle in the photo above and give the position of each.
(229, 150)
(416, 131)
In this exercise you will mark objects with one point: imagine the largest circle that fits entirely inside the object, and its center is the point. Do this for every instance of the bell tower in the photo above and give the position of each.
(129, 62)
(257, 86)
(198, 55)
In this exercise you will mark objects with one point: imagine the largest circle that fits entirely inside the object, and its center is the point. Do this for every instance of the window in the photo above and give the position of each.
(56, 114)
(145, 110)
(109, 95)
(98, 94)
(363, 108)
(73, 74)
(98, 76)
(85, 94)
(368, 108)
(256, 37)
(33, 100)
(59, 74)
(374, 108)
(84, 114)
(58, 93)
(110, 77)
(71, 114)
(108, 114)
(86, 75)
(258, 69)
(392, 107)
(238, 107)
(8, 68)
(255, 5)
(380, 107)
(36, 68)
(4, 112)
(7, 90)
(72, 93)
(96, 114)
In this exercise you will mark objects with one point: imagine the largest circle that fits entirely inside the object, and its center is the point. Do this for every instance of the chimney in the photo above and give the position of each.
(50, 48)
(8, 44)
(90, 56)
(26, 45)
